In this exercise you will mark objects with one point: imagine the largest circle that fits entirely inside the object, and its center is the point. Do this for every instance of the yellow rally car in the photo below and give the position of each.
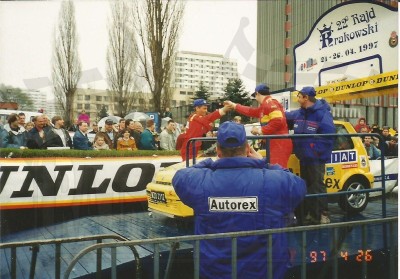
(348, 171)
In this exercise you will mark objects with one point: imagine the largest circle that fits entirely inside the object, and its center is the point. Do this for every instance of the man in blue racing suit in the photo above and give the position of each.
(239, 192)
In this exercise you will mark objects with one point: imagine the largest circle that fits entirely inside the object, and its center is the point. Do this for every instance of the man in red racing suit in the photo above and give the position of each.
(199, 123)
(272, 120)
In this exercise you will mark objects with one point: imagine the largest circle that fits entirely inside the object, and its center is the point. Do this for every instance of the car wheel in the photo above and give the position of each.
(354, 203)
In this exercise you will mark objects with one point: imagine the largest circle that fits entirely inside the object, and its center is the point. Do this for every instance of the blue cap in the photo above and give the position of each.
(308, 90)
(231, 134)
(262, 88)
(200, 102)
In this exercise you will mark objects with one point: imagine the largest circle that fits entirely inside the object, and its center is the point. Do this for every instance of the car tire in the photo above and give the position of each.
(354, 203)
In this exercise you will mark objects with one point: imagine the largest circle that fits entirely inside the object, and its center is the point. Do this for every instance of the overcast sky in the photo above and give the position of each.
(226, 27)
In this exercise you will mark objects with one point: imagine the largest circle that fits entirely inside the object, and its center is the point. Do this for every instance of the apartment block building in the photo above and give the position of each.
(191, 68)
(93, 100)
(38, 98)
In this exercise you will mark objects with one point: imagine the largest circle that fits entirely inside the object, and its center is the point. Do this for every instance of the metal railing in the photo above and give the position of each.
(175, 241)
(35, 245)
(333, 260)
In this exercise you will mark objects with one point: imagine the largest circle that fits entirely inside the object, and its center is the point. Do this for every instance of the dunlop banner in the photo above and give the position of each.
(56, 182)
(358, 88)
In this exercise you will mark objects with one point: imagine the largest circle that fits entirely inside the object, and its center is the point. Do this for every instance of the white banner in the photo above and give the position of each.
(52, 182)
(350, 41)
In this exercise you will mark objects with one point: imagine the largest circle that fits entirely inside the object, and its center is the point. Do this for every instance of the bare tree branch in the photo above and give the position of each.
(66, 66)
(121, 58)
(157, 24)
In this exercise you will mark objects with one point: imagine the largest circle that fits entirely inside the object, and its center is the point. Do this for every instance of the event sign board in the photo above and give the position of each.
(350, 41)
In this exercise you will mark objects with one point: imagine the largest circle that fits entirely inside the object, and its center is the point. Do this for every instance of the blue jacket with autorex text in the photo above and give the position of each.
(240, 194)
(316, 119)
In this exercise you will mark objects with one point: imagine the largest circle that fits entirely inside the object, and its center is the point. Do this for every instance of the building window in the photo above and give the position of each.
(87, 106)
(79, 98)
(182, 92)
(182, 103)
(98, 98)
(87, 97)
(79, 106)
(106, 99)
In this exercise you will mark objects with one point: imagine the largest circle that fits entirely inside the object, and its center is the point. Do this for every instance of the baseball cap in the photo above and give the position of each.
(308, 90)
(262, 88)
(231, 134)
(200, 102)
(109, 122)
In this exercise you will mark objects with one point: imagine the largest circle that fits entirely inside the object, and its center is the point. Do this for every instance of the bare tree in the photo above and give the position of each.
(66, 67)
(157, 25)
(121, 59)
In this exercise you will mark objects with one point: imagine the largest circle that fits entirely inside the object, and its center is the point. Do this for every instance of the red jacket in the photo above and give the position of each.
(273, 122)
(197, 126)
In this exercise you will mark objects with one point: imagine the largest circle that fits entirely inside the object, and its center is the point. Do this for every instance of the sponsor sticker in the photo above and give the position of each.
(233, 204)
(339, 157)
(363, 161)
(330, 171)
(349, 166)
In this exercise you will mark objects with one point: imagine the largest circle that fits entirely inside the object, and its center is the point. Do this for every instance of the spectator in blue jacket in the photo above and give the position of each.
(81, 140)
(3, 135)
(147, 138)
(312, 118)
(16, 136)
(239, 192)
(37, 136)
(373, 152)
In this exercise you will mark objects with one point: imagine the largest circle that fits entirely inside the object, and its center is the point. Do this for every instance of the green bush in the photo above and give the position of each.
(33, 153)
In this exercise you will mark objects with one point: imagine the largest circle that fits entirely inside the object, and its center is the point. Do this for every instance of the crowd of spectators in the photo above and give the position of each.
(127, 134)
(386, 145)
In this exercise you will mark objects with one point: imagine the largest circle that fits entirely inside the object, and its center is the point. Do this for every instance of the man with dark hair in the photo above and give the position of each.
(272, 121)
(56, 135)
(16, 137)
(81, 140)
(121, 125)
(387, 142)
(146, 138)
(95, 128)
(314, 117)
(372, 151)
(385, 133)
(239, 192)
(199, 123)
(21, 119)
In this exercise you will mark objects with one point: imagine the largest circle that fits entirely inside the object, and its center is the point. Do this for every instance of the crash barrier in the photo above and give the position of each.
(348, 193)
(335, 242)
(36, 244)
